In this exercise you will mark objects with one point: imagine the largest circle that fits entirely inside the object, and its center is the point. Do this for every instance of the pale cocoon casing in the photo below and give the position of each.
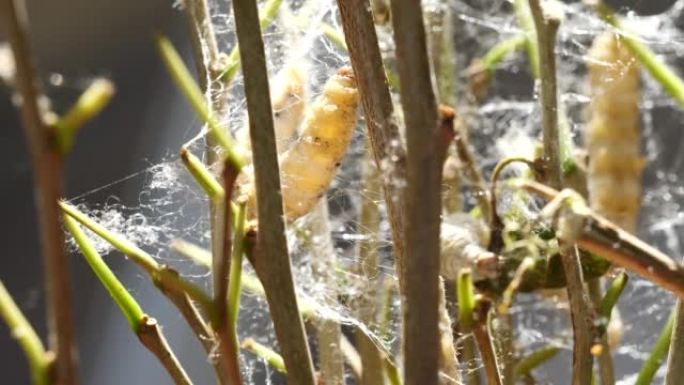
(612, 136)
(463, 246)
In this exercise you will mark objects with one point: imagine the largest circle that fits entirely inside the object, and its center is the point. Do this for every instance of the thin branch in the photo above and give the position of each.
(142, 325)
(272, 358)
(675, 359)
(527, 24)
(472, 172)
(23, 332)
(605, 360)
(185, 82)
(527, 364)
(204, 47)
(48, 166)
(367, 301)
(484, 342)
(166, 279)
(422, 197)
(151, 336)
(200, 327)
(598, 235)
(221, 321)
(658, 353)
(268, 13)
(235, 273)
(91, 102)
(441, 49)
(389, 154)
(465, 293)
(272, 261)
(546, 25)
(323, 261)
(481, 71)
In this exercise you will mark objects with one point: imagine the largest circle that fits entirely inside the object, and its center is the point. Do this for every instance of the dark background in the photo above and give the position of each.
(80, 39)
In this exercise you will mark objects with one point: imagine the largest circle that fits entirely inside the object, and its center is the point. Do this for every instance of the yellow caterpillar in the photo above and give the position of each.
(309, 165)
(612, 137)
(288, 100)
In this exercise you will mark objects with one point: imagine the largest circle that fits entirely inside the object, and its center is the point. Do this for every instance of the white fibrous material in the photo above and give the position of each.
(506, 123)
(464, 246)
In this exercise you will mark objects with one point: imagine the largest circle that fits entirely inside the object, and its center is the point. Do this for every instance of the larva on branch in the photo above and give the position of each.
(612, 137)
(288, 101)
(309, 165)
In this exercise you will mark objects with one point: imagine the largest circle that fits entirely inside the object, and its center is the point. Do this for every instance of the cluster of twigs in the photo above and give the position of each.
(413, 210)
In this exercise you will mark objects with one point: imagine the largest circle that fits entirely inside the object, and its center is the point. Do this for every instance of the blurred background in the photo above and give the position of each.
(74, 41)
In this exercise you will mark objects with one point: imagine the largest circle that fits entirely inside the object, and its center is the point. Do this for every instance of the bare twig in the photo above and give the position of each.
(199, 327)
(323, 261)
(441, 49)
(48, 166)
(471, 171)
(546, 26)
(422, 199)
(367, 302)
(151, 336)
(204, 47)
(389, 154)
(484, 342)
(272, 261)
(221, 267)
(605, 360)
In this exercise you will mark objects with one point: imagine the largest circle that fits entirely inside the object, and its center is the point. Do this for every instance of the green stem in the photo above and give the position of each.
(145, 327)
(612, 295)
(235, 275)
(164, 277)
(334, 35)
(272, 358)
(660, 71)
(466, 300)
(185, 82)
(533, 360)
(128, 305)
(655, 359)
(26, 337)
(500, 51)
(267, 13)
(93, 100)
(526, 23)
(202, 175)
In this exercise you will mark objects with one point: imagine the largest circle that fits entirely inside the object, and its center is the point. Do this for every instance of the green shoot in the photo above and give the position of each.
(91, 102)
(128, 305)
(185, 82)
(26, 337)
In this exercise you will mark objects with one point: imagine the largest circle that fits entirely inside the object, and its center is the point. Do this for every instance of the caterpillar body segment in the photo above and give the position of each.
(288, 102)
(613, 137)
(309, 165)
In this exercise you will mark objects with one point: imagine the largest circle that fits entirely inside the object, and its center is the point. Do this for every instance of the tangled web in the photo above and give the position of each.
(172, 207)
